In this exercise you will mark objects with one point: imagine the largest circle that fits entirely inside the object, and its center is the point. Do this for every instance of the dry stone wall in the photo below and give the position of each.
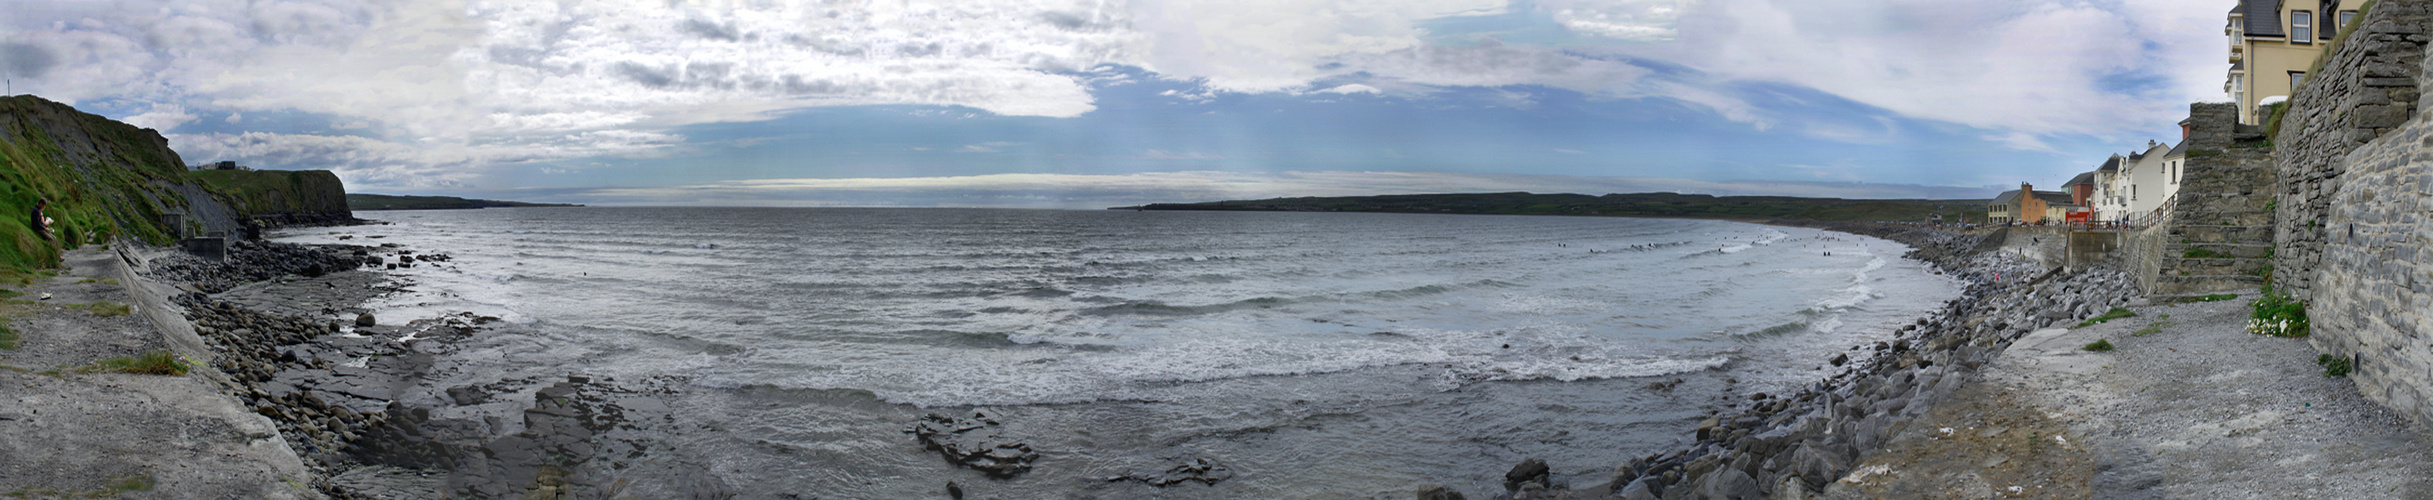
(2353, 225)
(2366, 87)
(2373, 295)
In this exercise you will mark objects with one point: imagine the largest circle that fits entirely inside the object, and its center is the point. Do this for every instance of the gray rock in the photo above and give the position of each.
(365, 320)
(1732, 484)
(1529, 471)
(1435, 492)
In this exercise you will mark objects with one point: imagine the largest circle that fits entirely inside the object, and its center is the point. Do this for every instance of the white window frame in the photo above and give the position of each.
(2296, 78)
(2345, 17)
(2302, 26)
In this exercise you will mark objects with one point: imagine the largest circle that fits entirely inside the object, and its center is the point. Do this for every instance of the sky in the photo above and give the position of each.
(1096, 103)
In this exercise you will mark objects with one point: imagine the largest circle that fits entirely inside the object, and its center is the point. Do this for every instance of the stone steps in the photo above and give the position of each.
(2231, 250)
(2198, 284)
(2224, 234)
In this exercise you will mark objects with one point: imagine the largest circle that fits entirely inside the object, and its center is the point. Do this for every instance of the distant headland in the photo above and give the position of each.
(1617, 205)
(359, 201)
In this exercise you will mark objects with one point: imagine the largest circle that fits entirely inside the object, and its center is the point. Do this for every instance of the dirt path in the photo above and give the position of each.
(87, 435)
(2187, 405)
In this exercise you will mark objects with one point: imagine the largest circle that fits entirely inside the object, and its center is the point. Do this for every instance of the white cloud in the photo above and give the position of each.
(1633, 20)
(2037, 68)
(161, 117)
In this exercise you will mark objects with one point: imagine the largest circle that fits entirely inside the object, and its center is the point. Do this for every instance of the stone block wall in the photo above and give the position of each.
(2373, 288)
(2366, 87)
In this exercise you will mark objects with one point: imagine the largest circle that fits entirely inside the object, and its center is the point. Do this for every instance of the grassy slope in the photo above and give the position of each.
(1634, 205)
(90, 204)
(274, 191)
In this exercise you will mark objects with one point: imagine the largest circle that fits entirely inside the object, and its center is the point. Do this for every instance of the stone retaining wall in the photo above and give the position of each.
(2373, 295)
(2367, 86)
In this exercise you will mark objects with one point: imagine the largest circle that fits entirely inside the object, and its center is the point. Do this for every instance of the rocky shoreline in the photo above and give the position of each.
(362, 402)
(1795, 445)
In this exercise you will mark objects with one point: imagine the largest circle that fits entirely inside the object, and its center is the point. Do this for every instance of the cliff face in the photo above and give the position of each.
(280, 197)
(105, 179)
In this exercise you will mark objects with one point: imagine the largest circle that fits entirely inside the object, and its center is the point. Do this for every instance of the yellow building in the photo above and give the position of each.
(2273, 42)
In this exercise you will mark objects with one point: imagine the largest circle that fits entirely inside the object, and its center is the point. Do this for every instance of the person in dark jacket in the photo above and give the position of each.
(41, 223)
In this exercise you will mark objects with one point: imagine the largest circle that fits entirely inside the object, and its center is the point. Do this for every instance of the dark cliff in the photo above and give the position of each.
(280, 197)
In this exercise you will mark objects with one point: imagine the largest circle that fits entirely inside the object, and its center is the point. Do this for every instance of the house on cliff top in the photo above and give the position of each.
(2273, 42)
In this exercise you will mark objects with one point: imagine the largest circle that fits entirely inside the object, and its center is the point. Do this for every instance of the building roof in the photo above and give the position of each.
(2082, 178)
(2056, 198)
(2110, 165)
(2262, 17)
(2049, 197)
(2179, 150)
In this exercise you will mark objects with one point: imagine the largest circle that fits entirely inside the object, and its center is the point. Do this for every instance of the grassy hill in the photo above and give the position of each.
(104, 179)
(1621, 205)
(393, 202)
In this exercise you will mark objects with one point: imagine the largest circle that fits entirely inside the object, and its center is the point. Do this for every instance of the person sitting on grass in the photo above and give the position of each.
(42, 224)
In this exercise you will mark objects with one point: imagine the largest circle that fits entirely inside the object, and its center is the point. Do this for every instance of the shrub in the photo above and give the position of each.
(151, 363)
(2333, 366)
(2115, 313)
(2277, 315)
(2100, 345)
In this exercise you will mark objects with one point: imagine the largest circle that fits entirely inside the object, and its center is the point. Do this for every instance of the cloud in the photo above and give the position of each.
(1632, 20)
(2037, 68)
(161, 117)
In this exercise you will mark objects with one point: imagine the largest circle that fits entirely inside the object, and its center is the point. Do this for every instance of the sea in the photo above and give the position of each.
(784, 351)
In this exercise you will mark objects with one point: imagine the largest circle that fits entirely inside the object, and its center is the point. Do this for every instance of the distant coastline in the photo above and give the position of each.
(1668, 205)
(358, 201)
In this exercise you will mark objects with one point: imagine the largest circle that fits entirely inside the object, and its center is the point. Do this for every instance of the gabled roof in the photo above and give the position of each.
(2177, 151)
(2006, 197)
(2055, 198)
(2110, 165)
(2262, 17)
(2049, 197)
(2082, 178)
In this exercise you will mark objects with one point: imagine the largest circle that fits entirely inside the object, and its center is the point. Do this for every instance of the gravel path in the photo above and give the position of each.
(2187, 405)
(84, 435)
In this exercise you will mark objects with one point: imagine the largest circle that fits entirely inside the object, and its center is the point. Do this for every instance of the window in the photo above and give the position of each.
(2301, 27)
(2345, 16)
(2294, 78)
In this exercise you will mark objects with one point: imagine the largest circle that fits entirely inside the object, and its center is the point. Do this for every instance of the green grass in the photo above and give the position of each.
(112, 281)
(117, 485)
(2277, 315)
(2200, 253)
(2215, 297)
(2099, 345)
(151, 363)
(2115, 313)
(2157, 327)
(2333, 366)
(8, 338)
(109, 198)
(104, 308)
